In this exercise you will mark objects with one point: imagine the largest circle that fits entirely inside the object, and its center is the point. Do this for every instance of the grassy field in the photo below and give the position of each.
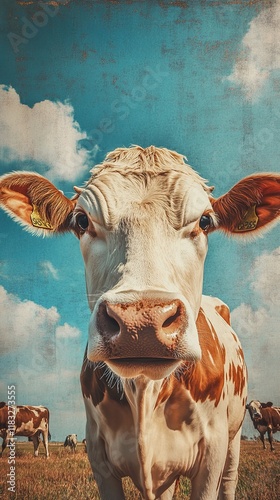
(68, 476)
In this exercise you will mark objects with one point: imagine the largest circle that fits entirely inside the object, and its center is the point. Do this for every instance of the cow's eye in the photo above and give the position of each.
(205, 222)
(82, 221)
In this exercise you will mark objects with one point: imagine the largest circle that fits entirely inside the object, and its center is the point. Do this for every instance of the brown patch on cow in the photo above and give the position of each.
(203, 379)
(224, 311)
(91, 383)
(240, 353)
(94, 385)
(206, 379)
(238, 377)
(29, 414)
(169, 386)
(177, 408)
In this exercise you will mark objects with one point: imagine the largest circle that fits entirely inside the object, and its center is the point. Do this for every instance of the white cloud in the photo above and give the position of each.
(266, 278)
(258, 327)
(22, 322)
(260, 53)
(48, 269)
(27, 324)
(46, 133)
(67, 331)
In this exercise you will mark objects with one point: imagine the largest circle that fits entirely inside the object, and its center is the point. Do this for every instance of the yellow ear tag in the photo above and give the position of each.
(249, 221)
(37, 221)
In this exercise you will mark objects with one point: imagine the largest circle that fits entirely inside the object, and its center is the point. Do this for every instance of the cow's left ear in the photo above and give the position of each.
(35, 203)
(250, 206)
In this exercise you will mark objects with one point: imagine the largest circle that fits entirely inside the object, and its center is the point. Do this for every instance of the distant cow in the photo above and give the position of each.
(266, 418)
(85, 444)
(71, 441)
(8, 440)
(29, 421)
(164, 378)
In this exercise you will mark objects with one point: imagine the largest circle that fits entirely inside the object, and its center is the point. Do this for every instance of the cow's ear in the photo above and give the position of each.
(35, 203)
(250, 206)
(269, 404)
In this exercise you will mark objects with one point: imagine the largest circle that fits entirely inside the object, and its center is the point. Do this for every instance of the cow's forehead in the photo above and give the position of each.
(112, 195)
(255, 405)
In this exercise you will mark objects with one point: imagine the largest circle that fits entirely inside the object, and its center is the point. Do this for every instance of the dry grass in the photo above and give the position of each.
(67, 476)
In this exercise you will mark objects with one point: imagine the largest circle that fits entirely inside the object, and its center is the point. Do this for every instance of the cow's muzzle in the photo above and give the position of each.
(146, 328)
(257, 416)
(142, 337)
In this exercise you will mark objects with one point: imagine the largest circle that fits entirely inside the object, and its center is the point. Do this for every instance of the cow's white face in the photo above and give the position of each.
(144, 245)
(143, 220)
(255, 410)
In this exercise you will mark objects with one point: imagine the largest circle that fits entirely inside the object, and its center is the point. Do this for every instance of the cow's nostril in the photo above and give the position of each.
(107, 324)
(113, 326)
(173, 322)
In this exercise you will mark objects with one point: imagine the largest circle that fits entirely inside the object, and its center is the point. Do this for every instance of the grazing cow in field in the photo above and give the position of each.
(29, 421)
(85, 444)
(71, 441)
(164, 378)
(266, 419)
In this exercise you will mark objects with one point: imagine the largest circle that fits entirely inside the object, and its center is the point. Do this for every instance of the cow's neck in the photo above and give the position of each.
(142, 395)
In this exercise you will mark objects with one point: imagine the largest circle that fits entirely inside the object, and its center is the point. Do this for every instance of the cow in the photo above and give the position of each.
(164, 379)
(71, 441)
(29, 421)
(266, 419)
(85, 444)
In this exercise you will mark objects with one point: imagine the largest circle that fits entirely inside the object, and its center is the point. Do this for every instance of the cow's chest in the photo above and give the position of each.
(262, 428)
(154, 443)
(157, 447)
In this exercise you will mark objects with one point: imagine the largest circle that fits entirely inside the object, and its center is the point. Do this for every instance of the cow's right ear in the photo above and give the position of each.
(35, 203)
(269, 404)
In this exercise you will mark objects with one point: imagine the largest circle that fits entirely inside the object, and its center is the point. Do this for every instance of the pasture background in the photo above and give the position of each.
(68, 476)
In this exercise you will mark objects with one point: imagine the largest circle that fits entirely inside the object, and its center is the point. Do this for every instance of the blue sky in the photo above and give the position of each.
(79, 79)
